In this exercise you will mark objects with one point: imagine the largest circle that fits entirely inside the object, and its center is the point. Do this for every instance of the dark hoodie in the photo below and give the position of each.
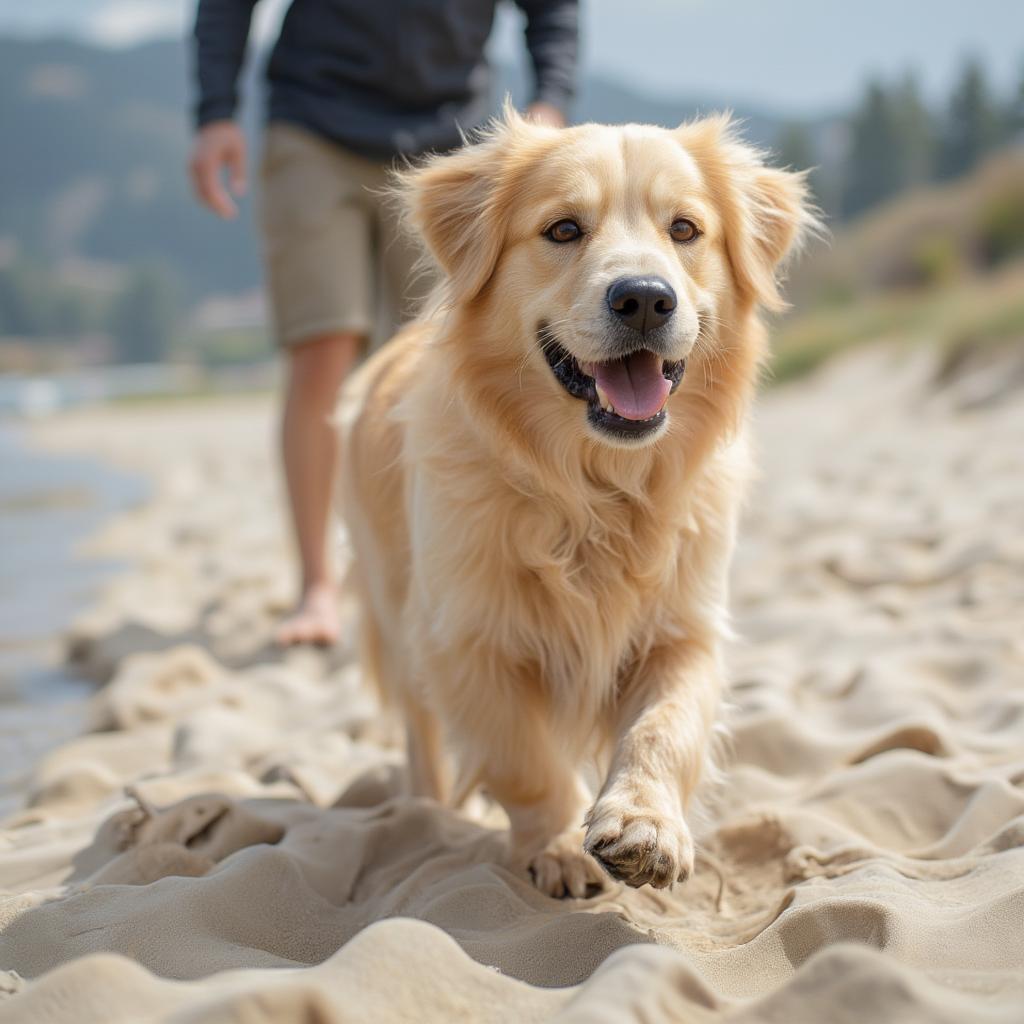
(380, 77)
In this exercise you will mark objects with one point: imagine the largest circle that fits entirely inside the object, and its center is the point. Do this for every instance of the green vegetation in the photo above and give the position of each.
(974, 126)
(144, 318)
(139, 313)
(137, 317)
(1001, 227)
(35, 304)
(233, 348)
(974, 312)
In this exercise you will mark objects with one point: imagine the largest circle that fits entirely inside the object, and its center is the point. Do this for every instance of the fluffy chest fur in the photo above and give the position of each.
(560, 590)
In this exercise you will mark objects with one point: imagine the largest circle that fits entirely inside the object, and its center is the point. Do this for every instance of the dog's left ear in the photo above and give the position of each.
(777, 219)
(456, 204)
(767, 212)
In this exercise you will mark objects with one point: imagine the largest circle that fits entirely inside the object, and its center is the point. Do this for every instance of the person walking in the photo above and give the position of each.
(353, 86)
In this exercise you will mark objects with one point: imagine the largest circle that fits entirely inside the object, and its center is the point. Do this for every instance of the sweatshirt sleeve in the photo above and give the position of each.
(221, 33)
(552, 37)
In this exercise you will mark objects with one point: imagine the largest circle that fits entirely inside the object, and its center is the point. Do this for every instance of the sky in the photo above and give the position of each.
(800, 56)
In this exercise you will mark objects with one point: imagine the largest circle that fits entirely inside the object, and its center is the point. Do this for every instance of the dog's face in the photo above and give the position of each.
(610, 255)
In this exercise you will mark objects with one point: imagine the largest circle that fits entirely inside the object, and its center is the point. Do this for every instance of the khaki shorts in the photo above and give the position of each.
(334, 257)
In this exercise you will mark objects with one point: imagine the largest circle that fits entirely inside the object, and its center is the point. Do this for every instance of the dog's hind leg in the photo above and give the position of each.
(637, 827)
(384, 666)
(514, 753)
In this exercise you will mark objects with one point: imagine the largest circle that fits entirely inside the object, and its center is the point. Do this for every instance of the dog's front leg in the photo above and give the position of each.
(637, 828)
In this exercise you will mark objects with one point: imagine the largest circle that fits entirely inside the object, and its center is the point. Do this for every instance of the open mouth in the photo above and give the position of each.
(625, 397)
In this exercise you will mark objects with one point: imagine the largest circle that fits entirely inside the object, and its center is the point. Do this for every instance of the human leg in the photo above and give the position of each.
(309, 447)
(317, 235)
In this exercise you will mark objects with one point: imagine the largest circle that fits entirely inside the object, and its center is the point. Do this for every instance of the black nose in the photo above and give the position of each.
(642, 303)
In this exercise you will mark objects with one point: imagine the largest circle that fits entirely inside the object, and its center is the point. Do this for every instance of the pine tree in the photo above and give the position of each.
(24, 305)
(972, 125)
(144, 317)
(873, 167)
(916, 132)
(795, 148)
(1015, 112)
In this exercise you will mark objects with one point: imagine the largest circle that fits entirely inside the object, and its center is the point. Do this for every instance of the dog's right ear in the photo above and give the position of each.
(455, 202)
(767, 212)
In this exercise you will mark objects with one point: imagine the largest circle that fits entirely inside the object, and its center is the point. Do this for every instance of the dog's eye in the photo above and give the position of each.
(683, 230)
(564, 231)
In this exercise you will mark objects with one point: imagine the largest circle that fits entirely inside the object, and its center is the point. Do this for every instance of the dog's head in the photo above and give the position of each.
(608, 258)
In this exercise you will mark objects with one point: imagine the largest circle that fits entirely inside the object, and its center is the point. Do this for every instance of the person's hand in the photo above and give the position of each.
(218, 146)
(545, 114)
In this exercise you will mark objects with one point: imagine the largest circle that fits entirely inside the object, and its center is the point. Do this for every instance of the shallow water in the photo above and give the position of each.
(49, 504)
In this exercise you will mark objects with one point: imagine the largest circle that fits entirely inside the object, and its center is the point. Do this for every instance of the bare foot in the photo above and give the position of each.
(315, 621)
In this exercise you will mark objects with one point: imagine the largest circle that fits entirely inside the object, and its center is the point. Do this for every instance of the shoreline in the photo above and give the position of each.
(179, 567)
(50, 504)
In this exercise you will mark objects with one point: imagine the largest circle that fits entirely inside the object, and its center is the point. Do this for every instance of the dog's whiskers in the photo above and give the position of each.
(709, 354)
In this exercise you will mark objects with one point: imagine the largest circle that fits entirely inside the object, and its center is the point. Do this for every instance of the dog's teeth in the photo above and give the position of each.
(603, 400)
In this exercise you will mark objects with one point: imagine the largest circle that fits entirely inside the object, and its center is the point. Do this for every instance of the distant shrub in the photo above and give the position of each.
(936, 259)
(1001, 228)
(1004, 326)
(836, 291)
(234, 348)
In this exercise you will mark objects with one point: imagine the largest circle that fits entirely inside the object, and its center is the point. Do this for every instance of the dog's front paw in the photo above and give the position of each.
(562, 868)
(639, 847)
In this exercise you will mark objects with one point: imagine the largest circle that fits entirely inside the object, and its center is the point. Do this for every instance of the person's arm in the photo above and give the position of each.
(552, 37)
(221, 33)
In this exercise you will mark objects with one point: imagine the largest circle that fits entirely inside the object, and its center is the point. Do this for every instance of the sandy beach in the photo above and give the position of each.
(228, 840)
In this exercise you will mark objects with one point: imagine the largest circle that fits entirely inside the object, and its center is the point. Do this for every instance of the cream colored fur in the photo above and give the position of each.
(534, 597)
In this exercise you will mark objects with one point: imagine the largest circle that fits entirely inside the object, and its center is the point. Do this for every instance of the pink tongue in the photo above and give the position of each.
(635, 385)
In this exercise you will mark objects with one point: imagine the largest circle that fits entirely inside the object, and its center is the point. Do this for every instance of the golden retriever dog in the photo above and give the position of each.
(542, 476)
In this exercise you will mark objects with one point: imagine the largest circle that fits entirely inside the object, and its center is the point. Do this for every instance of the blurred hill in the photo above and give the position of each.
(98, 170)
(943, 265)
